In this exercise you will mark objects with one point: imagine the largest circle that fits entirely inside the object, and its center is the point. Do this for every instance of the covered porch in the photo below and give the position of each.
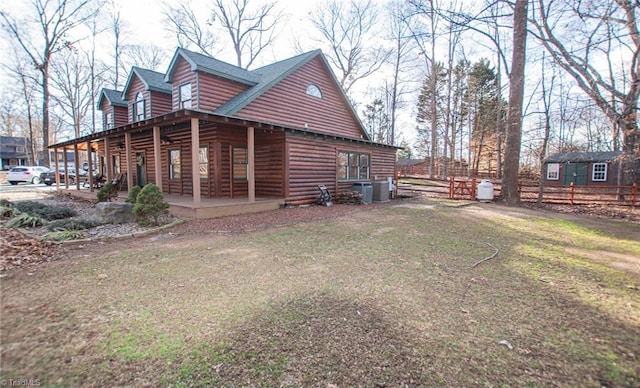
(203, 183)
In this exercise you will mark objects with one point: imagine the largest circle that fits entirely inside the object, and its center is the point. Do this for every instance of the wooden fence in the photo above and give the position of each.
(457, 188)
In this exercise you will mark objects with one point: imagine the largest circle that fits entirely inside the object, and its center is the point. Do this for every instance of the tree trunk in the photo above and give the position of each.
(509, 192)
(45, 115)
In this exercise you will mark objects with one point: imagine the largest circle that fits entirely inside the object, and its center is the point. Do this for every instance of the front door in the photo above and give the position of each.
(575, 173)
(141, 169)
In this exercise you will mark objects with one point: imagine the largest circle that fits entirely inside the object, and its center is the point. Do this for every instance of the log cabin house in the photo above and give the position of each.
(218, 139)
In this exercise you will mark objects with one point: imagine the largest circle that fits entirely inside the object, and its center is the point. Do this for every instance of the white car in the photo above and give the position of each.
(27, 174)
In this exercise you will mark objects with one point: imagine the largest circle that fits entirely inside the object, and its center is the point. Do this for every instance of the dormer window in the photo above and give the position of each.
(184, 96)
(109, 121)
(138, 108)
(314, 90)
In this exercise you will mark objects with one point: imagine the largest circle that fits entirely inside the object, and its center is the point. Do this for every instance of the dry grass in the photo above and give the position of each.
(384, 296)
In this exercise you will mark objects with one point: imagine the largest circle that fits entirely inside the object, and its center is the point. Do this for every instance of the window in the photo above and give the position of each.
(115, 164)
(353, 165)
(204, 163)
(314, 90)
(108, 121)
(174, 164)
(138, 108)
(240, 163)
(553, 171)
(599, 173)
(184, 96)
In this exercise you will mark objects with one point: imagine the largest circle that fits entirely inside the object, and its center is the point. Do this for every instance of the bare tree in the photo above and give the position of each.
(575, 34)
(401, 61)
(250, 29)
(27, 80)
(145, 56)
(190, 28)
(71, 79)
(509, 192)
(55, 21)
(425, 35)
(347, 30)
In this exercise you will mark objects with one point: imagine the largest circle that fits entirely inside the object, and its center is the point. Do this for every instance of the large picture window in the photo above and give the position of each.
(240, 163)
(138, 108)
(353, 165)
(184, 95)
(174, 164)
(553, 171)
(204, 163)
(599, 173)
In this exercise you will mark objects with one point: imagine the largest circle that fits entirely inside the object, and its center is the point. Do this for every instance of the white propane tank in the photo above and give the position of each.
(485, 191)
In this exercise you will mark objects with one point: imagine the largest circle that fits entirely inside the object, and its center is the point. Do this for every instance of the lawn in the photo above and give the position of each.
(380, 296)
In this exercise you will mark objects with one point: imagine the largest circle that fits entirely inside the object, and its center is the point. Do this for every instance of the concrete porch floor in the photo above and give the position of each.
(182, 206)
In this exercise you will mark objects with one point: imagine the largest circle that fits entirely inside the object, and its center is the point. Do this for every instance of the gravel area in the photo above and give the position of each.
(85, 209)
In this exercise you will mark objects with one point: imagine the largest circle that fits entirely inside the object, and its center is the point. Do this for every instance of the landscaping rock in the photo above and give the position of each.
(114, 212)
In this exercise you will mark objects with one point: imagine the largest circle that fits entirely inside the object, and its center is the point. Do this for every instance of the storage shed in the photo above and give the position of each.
(581, 168)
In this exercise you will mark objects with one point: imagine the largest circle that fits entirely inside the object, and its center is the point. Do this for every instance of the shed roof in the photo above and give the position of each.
(583, 157)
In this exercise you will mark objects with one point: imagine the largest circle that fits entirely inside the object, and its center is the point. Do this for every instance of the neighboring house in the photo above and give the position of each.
(208, 129)
(14, 151)
(581, 168)
(408, 167)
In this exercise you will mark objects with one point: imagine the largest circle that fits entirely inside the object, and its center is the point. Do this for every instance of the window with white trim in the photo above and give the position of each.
(184, 96)
(353, 165)
(138, 108)
(553, 171)
(599, 172)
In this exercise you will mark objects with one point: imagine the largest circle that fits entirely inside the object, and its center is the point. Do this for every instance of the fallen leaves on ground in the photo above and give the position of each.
(18, 250)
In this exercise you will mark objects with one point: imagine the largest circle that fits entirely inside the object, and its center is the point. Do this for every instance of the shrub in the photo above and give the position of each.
(63, 235)
(133, 194)
(5, 203)
(72, 224)
(6, 212)
(107, 192)
(25, 221)
(43, 211)
(150, 204)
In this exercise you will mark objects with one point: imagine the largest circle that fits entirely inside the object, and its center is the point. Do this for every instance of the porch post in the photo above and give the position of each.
(195, 161)
(56, 167)
(156, 157)
(76, 155)
(90, 165)
(251, 163)
(65, 161)
(76, 158)
(107, 159)
(127, 150)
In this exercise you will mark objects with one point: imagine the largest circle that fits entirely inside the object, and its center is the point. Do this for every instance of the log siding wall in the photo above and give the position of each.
(182, 75)
(312, 162)
(159, 103)
(214, 91)
(289, 104)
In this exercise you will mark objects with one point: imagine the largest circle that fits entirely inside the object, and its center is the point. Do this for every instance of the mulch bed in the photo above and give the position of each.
(625, 213)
